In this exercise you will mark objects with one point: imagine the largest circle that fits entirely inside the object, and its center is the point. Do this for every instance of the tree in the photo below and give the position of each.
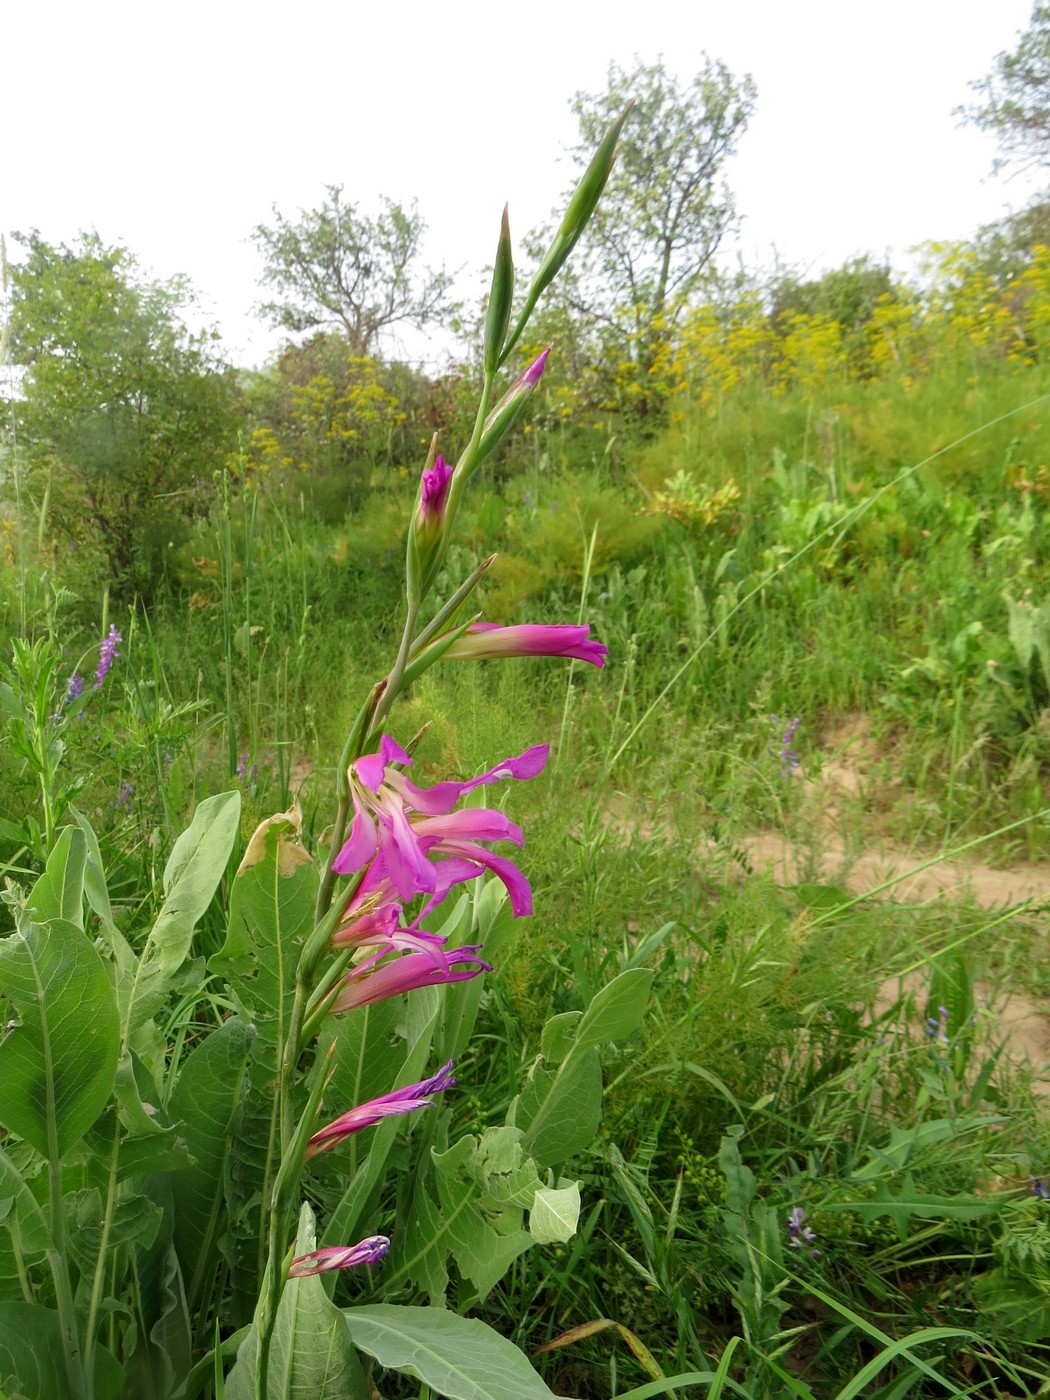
(337, 267)
(122, 414)
(666, 207)
(1016, 96)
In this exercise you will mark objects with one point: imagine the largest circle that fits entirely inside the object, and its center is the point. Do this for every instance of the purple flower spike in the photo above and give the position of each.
(789, 759)
(107, 654)
(366, 1115)
(75, 689)
(484, 641)
(937, 1026)
(323, 1261)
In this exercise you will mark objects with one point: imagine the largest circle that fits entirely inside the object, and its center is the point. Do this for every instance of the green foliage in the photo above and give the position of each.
(424, 1342)
(1015, 96)
(666, 212)
(123, 413)
(334, 266)
(313, 1353)
(679, 1066)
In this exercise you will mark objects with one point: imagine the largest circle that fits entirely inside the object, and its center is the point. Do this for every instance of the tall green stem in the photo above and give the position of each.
(80, 1386)
(103, 1252)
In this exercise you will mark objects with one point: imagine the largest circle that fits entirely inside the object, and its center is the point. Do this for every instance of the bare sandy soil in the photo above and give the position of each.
(911, 877)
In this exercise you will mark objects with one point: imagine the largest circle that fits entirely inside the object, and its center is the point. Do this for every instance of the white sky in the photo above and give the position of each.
(175, 128)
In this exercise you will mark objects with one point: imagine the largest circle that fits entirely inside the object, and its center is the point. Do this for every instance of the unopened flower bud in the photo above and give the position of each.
(428, 525)
(509, 409)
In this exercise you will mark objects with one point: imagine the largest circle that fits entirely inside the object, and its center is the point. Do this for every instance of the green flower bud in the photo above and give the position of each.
(501, 298)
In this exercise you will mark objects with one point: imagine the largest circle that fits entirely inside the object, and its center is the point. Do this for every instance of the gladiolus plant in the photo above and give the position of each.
(222, 1177)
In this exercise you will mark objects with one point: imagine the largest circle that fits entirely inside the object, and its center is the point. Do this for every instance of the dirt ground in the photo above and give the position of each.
(908, 876)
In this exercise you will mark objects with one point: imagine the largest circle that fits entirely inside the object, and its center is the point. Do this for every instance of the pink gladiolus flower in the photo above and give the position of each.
(347, 1256)
(397, 827)
(484, 641)
(370, 982)
(366, 1115)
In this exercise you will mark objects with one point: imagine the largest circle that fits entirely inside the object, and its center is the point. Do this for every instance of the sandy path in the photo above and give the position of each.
(913, 878)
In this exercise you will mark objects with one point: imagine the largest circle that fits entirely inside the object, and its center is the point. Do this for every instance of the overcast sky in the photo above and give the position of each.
(175, 128)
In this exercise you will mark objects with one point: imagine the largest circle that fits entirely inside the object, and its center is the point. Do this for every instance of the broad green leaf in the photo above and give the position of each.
(20, 1210)
(475, 1219)
(555, 1214)
(138, 1115)
(195, 867)
(369, 1055)
(558, 1036)
(311, 1355)
(458, 1357)
(94, 871)
(133, 1220)
(271, 914)
(617, 1010)
(163, 1350)
(155, 1152)
(1021, 630)
(158, 1350)
(32, 1357)
(58, 1060)
(59, 892)
(205, 1103)
(561, 1112)
(489, 923)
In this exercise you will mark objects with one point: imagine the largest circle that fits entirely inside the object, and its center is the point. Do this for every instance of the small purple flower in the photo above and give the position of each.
(124, 796)
(937, 1026)
(323, 1261)
(74, 690)
(247, 772)
(107, 654)
(789, 759)
(1039, 1188)
(799, 1232)
(366, 1115)
(484, 641)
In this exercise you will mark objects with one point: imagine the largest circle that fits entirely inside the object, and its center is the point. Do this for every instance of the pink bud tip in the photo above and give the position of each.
(535, 370)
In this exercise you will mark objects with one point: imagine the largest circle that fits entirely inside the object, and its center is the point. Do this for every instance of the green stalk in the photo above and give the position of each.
(588, 560)
(199, 1374)
(953, 762)
(100, 1262)
(226, 553)
(286, 1187)
(23, 1273)
(80, 1387)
